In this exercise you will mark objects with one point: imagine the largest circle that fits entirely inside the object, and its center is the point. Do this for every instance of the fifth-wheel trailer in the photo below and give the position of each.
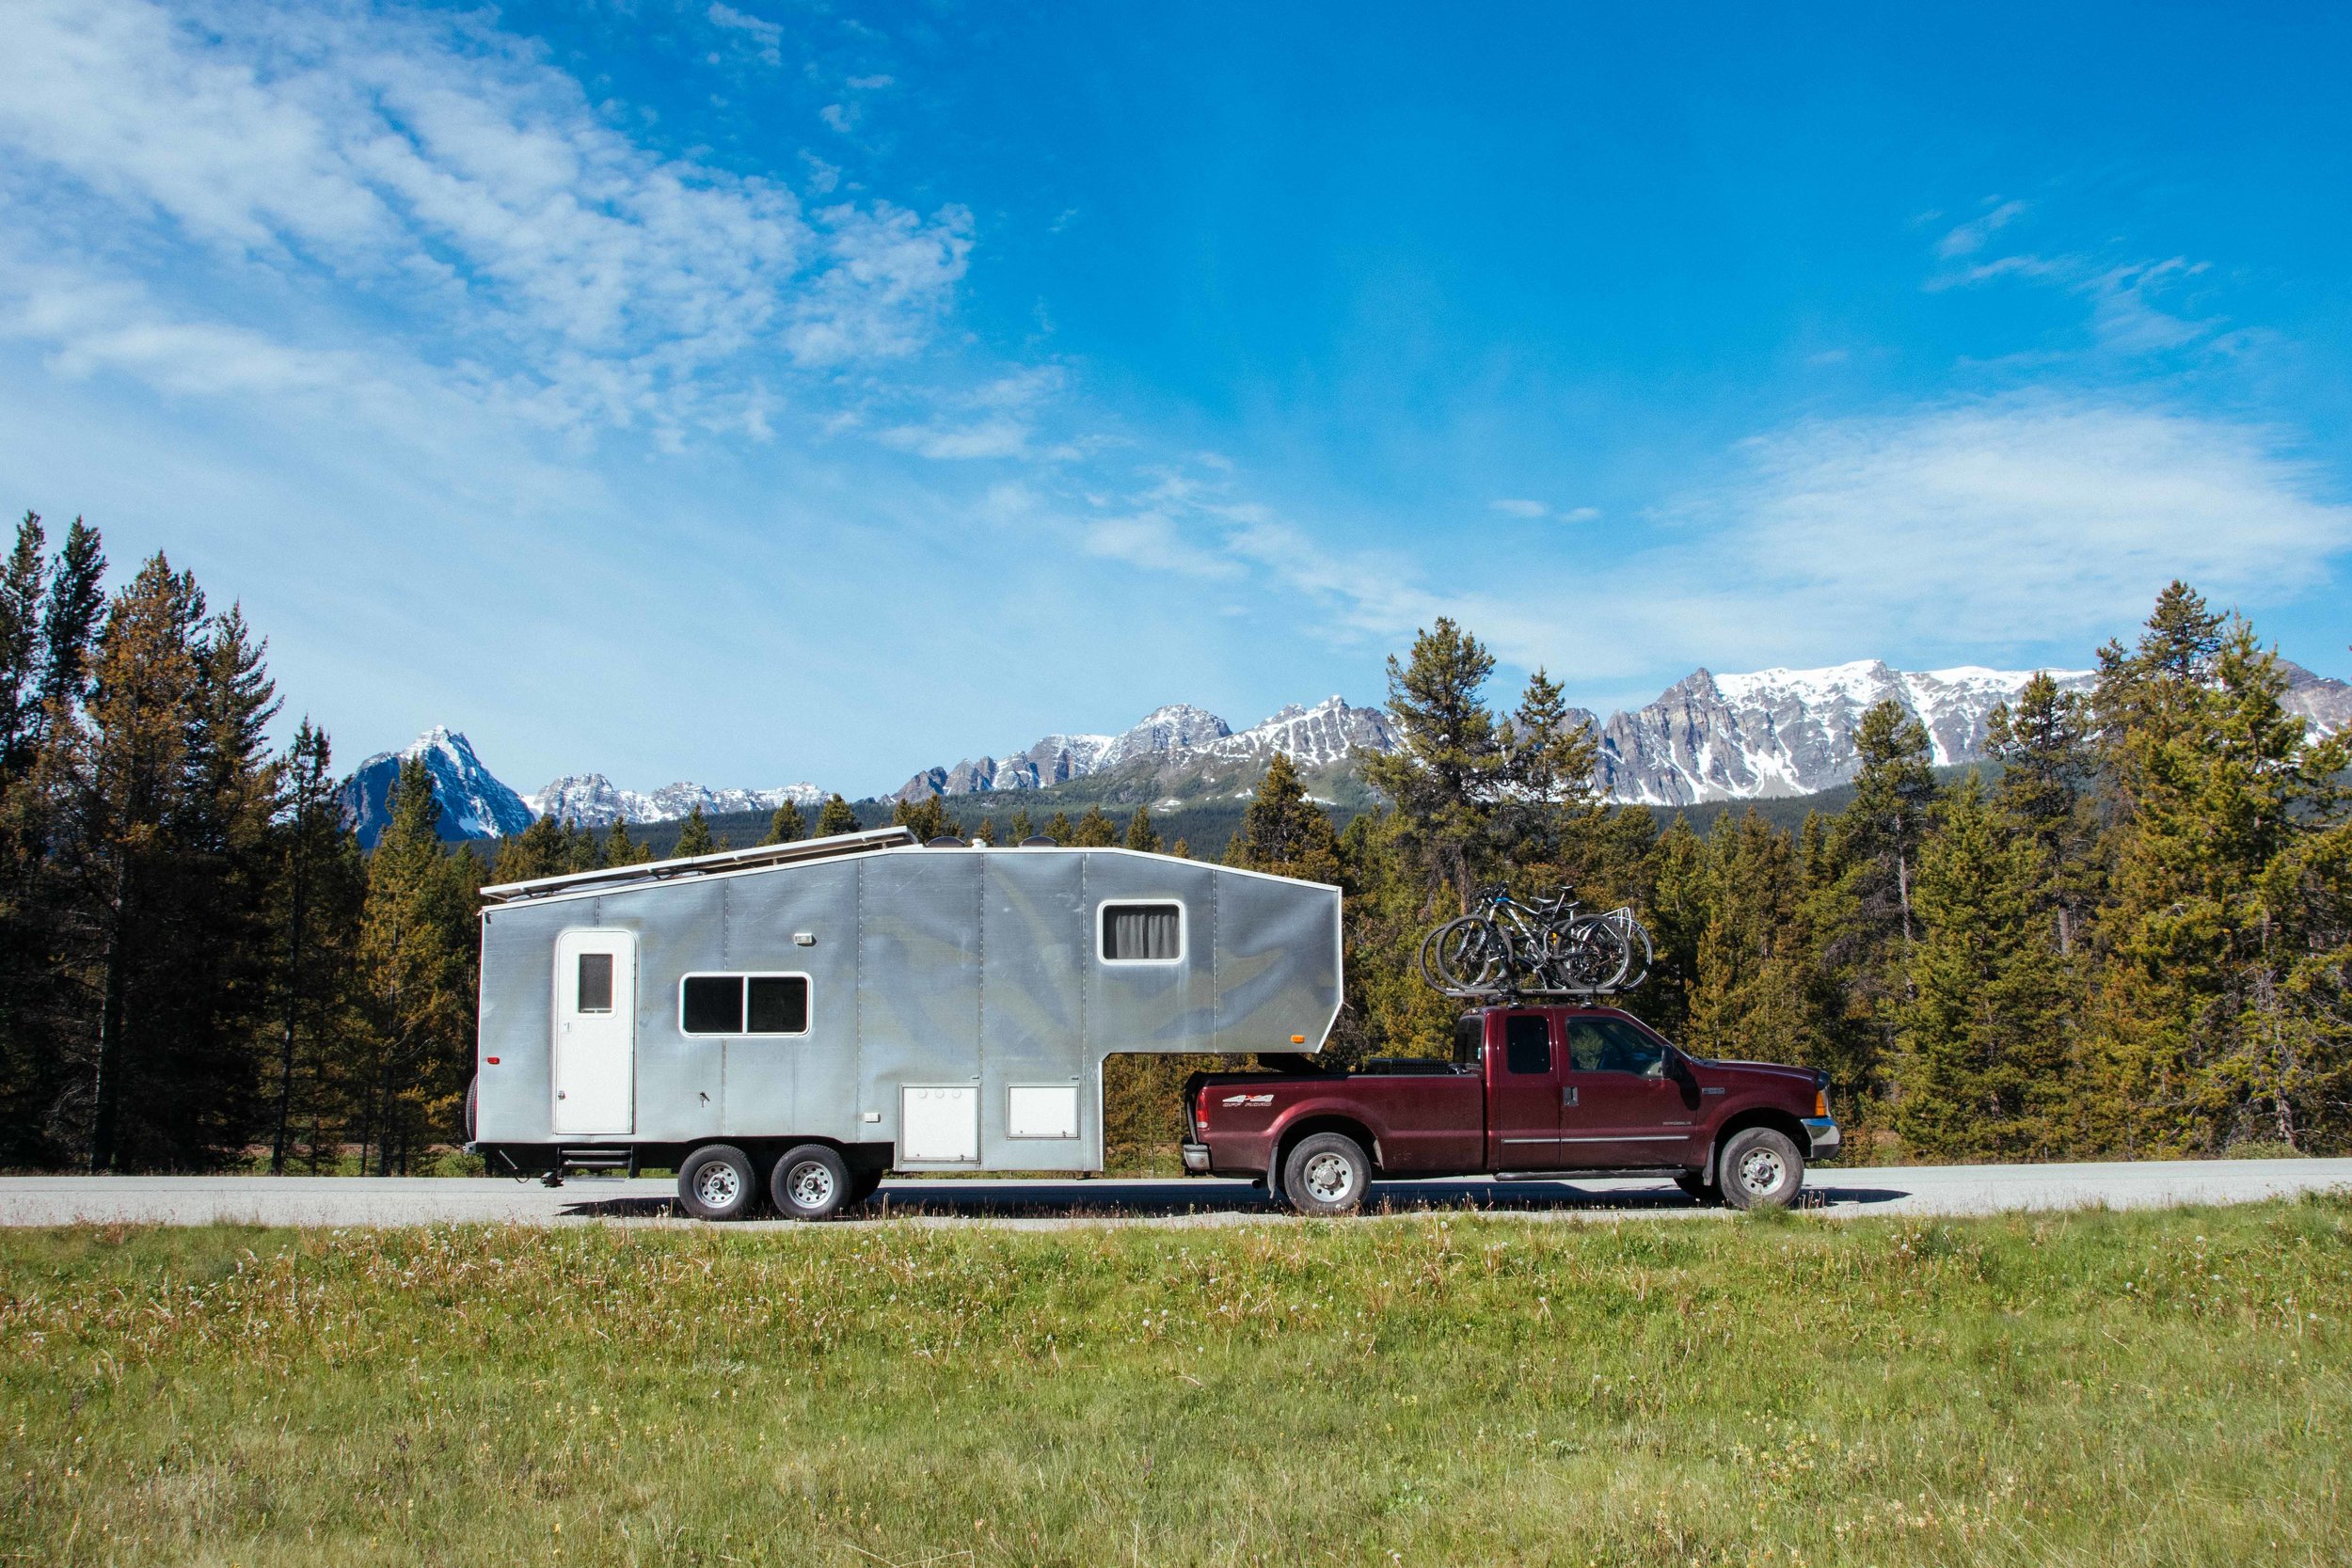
(791, 1022)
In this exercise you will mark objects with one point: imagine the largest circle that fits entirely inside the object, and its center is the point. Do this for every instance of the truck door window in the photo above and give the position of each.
(1606, 1045)
(1469, 1034)
(1527, 1044)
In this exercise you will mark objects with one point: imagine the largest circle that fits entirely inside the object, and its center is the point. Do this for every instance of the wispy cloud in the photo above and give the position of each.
(432, 170)
(764, 38)
(1966, 239)
(2128, 311)
(1533, 511)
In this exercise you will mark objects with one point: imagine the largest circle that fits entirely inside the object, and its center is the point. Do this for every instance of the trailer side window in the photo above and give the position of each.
(1143, 933)
(596, 983)
(713, 1005)
(743, 1005)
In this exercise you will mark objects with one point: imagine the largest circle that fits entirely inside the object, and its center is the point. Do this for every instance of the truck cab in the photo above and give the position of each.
(1532, 1091)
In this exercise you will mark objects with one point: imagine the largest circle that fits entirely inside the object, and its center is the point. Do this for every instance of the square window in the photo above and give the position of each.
(1143, 933)
(777, 1005)
(713, 1005)
(596, 983)
(1527, 1044)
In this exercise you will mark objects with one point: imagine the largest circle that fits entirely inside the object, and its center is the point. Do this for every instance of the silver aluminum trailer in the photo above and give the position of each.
(793, 1021)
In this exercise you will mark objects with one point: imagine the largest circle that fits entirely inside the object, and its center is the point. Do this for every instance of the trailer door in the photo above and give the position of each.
(596, 1033)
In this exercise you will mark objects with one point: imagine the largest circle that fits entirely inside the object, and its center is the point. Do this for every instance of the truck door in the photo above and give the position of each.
(1523, 1093)
(595, 1055)
(1624, 1108)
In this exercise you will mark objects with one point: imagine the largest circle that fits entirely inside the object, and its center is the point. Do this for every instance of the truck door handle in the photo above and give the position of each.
(1567, 1096)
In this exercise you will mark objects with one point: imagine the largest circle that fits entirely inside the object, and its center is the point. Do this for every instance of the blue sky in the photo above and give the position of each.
(759, 392)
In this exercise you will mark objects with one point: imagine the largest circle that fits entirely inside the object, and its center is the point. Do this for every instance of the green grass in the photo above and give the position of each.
(2155, 1388)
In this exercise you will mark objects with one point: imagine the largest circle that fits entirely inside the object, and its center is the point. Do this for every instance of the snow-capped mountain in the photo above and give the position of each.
(591, 801)
(1172, 736)
(1789, 732)
(474, 803)
(2325, 704)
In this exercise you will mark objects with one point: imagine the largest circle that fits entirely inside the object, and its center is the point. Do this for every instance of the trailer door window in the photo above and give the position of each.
(1143, 933)
(596, 983)
(743, 1005)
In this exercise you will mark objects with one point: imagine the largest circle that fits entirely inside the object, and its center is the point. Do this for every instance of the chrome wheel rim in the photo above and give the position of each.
(1330, 1178)
(1761, 1172)
(719, 1185)
(809, 1185)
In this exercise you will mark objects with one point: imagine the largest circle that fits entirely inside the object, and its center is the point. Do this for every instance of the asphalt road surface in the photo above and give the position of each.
(1050, 1202)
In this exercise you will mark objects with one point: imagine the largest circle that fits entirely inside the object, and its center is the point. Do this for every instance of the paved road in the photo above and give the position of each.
(1045, 1203)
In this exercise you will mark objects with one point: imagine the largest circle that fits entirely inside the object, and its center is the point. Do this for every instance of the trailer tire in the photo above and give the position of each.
(1327, 1175)
(474, 1107)
(717, 1182)
(863, 1185)
(1761, 1170)
(811, 1182)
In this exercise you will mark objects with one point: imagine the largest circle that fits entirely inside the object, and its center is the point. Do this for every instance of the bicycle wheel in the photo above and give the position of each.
(1464, 954)
(1594, 956)
(1639, 954)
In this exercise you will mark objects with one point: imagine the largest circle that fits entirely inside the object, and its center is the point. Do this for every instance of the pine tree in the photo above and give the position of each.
(836, 818)
(70, 618)
(695, 837)
(320, 890)
(787, 826)
(1285, 833)
(1019, 830)
(1986, 1039)
(1181, 849)
(1449, 766)
(1060, 829)
(925, 819)
(1094, 831)
(543, 849)
(1548, 758)
(621, 850)
(417, 958)
(22, 582)
(1140, 834)
(2047, 765)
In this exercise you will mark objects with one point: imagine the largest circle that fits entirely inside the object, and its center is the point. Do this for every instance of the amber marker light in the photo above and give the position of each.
(1821, 1102)
(1299, 1040)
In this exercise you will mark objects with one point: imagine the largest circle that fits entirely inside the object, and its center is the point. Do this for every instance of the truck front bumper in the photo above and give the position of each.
(1822, 1133)
(1196, 1157)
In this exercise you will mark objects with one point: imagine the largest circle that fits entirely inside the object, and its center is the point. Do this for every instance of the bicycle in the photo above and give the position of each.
(1512, 946)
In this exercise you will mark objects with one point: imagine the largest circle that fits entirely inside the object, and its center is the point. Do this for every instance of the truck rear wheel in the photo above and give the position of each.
(811, 1182)
(1327, 1175)
(717, 1182)
(1761, 1170)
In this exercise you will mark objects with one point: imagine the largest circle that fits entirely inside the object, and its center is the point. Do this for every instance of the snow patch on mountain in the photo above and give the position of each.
(473, 802)
(593, 801)
(1173, 736)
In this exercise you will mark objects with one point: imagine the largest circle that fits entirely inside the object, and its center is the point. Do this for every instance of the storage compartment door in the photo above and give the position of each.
(596, 1033)
(939, 1124)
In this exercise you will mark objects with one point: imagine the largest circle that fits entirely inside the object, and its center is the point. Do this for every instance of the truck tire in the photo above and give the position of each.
(811, 1182)
(717, 1182)
(1761, 1170)
(1698, 1186)
(1327, 1175)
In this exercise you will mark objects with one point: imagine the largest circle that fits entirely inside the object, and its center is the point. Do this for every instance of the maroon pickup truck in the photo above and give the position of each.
(1532, 1091)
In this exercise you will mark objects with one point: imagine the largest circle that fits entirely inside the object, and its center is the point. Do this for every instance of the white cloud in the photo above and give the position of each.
(1580, 514)
(766, 37)
(431, 171)
(1968, 238)
(1522, 508)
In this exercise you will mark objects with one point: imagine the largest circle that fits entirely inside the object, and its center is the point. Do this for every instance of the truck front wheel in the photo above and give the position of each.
(1761, 1170)
(717, 1182)
(1327, 1175)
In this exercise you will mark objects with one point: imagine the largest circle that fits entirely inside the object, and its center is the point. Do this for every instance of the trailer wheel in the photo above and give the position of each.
(811, 1182)
(863, 1185)
(717, 1182)
(474, 1107)
(1327, 1175)
(1761, 1170)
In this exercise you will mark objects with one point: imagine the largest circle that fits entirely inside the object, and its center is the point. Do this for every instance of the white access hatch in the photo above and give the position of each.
(1042, 1111)
(938, 1123)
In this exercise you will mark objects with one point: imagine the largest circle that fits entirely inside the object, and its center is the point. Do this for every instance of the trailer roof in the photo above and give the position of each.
(698, 865)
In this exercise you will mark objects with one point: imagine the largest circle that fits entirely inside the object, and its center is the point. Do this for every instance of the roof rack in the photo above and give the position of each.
(700, 865)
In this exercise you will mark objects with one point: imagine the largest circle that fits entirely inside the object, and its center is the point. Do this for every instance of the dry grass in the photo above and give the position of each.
(2165, 1387)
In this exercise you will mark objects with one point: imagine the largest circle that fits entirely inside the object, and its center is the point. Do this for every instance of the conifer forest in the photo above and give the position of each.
(2128, 935)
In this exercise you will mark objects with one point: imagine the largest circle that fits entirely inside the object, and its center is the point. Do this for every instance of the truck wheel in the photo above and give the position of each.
(1761, 1170)
(1698, 1186)
(1327, 1175)
(717, 1182)
(811, 1182)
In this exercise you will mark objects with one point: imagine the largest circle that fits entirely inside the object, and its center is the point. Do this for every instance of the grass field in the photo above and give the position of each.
(2164, 1387)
